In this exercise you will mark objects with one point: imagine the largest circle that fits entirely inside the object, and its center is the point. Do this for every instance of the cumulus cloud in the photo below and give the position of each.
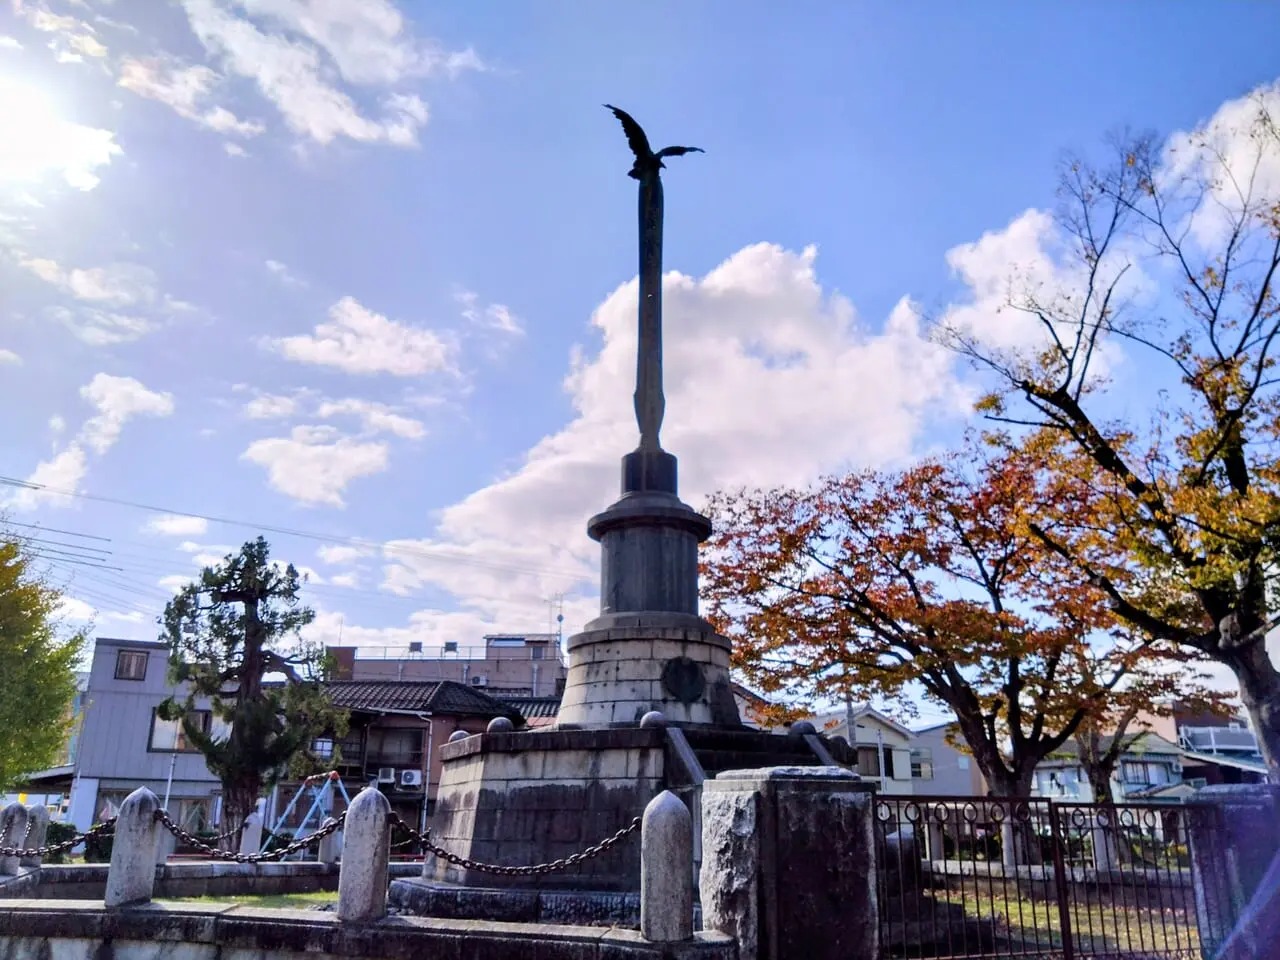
(9, 357)
(187, 90)
(288, 53)
(282, 273)
(494, 316)
(9, 43)
(340, 554)
(770, 379)
(116, 400)
(314, 465)
(374, 417)
(177, 525)
(114, 285)
(359, 341)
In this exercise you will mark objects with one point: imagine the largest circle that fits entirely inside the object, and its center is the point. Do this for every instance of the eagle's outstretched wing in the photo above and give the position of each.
(636, 139)
(677, 151)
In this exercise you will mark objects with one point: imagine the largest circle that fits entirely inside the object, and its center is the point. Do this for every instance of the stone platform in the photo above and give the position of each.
(521, 798)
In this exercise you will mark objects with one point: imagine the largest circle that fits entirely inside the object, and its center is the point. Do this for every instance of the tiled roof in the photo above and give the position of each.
(532, 708)
(414, 696)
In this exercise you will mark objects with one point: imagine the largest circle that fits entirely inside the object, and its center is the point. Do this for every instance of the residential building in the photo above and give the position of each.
(1150, 770)
(940, 768)
(884, 746)
(1216, 749)
(504, 665)
(395, 731)
(123, 744)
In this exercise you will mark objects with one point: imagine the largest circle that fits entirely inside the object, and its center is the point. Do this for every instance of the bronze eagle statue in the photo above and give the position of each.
(647, 161)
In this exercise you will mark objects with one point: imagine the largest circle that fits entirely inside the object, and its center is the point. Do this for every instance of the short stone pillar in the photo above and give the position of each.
(666, 870)
(37, 833)
(13, 833)
(330, 846)
(1234, 831)
(788, 863)
(362, 879)
(251, 834)
(131, 877)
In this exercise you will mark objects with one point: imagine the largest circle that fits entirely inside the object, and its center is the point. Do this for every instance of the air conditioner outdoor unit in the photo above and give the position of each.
(410, 778)
(386, 774)
(415, 646)
(451, 646)
(480, 680)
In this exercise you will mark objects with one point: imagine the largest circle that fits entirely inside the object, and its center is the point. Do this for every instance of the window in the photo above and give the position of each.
(538, 651)
(888, 764)
(962, 762)
(131, 665)
(322, 748)
(1145, 773)
(922, 764)
(395, 747)
(868, 762)
(171, 736)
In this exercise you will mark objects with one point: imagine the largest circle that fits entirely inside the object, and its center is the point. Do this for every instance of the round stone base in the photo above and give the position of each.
(624, 665)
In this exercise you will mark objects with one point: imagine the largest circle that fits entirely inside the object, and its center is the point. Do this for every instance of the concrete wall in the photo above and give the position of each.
(74, 930)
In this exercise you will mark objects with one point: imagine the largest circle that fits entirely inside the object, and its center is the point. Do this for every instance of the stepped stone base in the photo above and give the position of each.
(523, 798)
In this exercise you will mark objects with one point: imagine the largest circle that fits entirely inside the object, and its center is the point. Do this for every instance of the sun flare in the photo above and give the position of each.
(35, 142)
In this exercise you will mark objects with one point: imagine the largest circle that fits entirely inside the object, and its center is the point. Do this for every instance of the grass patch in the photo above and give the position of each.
(287, 901)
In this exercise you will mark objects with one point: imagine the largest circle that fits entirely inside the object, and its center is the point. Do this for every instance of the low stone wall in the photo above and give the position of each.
(1044, 873)
(75, 929)
(194, 879)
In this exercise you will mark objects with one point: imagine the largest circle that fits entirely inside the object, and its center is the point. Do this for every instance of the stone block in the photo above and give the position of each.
(131, 877)
(37, 833)
(14, 820)
(788, 863)
(666, 870)
(362, 882)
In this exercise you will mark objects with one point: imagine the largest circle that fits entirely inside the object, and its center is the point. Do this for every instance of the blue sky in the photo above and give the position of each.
(367, 271)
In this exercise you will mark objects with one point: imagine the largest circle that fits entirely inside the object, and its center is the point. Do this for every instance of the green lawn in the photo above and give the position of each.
(293, 901)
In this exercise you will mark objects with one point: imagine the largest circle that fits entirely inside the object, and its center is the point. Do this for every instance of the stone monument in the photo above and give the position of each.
(517, 798)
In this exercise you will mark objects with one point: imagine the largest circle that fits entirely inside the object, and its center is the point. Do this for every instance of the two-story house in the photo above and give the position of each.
(1149, 771)
(942, 769)
(883, 745)
(123, 744)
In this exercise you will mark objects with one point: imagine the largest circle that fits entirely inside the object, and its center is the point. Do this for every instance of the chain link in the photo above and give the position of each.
(508, 871)
(51, 848)
(192, 840)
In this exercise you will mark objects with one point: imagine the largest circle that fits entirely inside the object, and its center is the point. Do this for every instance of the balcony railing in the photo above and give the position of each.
(548, 653)
(1216, 739)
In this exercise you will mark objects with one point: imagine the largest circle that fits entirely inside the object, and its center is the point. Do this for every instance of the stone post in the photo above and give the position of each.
(788, 863)
(1234, 831)
(251, 834)
(362, 879)
(13, 833)
(37, 834)
(131, 878)
(666, 870)
(331, 846)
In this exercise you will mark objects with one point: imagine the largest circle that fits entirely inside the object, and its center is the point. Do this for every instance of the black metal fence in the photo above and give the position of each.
(1027, 878)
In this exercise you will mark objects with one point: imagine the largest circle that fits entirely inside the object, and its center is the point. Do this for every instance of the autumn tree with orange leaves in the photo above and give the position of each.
(1185, 464)
(928, 579)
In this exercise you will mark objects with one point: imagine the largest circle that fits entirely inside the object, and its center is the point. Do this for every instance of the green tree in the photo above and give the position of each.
(227, 633)
(37, 666)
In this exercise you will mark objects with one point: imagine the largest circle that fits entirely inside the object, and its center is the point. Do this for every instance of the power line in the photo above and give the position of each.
(65, 533)
(426, 553)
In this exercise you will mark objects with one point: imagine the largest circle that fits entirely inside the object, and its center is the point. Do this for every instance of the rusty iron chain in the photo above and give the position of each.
(192, 840)
(510, 871)
(50, 848)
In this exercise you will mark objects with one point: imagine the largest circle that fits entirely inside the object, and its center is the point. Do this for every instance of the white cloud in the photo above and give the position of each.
(187, 90)
(177, 525)
(769, 380)
(36, 142)
(271, 406)
(70, 608)
(340, 554)
(116, 400)
(115, 285)
(9, 43)
(9, 357)
(293, 75)
(349, 580)
(235, 150)
(282, 273)
(357, 340)
(314, 465)
(367, 39)
(375, 417)
(174, 582)
(57, 424)
(495, 316)
(100, 328)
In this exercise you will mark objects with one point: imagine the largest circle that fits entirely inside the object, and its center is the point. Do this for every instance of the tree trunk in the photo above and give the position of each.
(1260, 693)
(238, 801)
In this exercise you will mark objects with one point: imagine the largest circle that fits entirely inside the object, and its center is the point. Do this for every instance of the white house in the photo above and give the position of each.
(884, 746)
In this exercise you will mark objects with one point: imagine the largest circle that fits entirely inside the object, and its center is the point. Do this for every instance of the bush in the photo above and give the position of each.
(97, 849)
(59, 833)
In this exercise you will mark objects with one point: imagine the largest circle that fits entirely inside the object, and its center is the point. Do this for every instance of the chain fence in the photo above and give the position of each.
(590, 853)
(298, 844)
(49, 849)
